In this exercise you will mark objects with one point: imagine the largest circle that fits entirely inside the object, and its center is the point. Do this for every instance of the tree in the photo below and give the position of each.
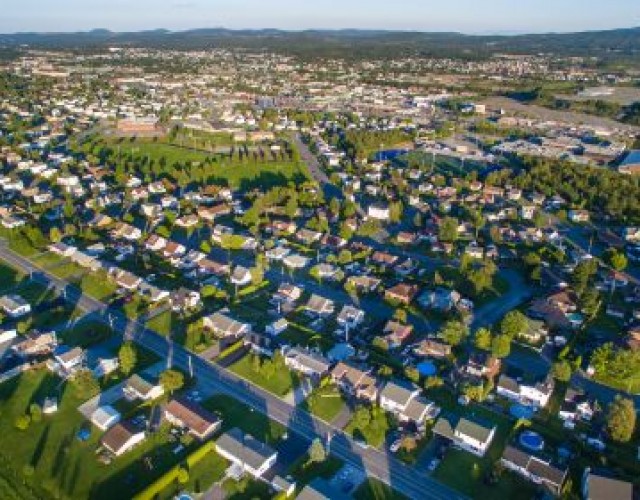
(317, 453)
(582, 275)
(482, 339)
(448, 229)
(621, 419)
(171, 380)
(400, 315)
(561, 370)
(616, 259)
(55, 235)
(454, 332)
(128, 357)
(417, 220)
(514, 323)
(590, 302)
(501, 346)
(257, 275)
(22, 422)
(412, 373)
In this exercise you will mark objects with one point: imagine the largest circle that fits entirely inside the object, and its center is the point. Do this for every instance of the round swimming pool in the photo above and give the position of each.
(426, 369)
(531, 440)
(521, 411)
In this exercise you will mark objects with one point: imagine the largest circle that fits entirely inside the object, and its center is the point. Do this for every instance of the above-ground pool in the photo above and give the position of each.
(426, 369)
(532, 441)
(521, 411)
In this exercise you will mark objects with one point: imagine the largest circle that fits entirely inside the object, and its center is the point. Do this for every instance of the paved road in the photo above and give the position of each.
(376, 463)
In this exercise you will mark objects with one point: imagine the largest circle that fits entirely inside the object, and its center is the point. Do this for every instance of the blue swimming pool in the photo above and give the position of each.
(521, 411)
(426, 369)
(532, 441)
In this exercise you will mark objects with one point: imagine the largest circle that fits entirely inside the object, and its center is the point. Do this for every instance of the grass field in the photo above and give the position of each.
(234, 172)
(280, 383)
(64, 467)
(236, 414)
(324, 402)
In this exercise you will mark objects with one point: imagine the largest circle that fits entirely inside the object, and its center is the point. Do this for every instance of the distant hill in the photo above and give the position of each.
(620, 43)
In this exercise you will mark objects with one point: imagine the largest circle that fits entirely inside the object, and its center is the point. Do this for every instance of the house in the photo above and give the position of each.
(576, 406)
(402, 293)
(14, 305)
(320, 306)
(277, 253)
(599, 487)
(199, 422)
(122, 437)
(69, 359)
(36, 344)
(355, 382)
(379, 212)
(481, 364)
(105, 366)
(396, 333)
(277, 327)
(578, 215)
(289, 292)
(536, 394)
(183, 299)
(241, 276)
(534, 469)
(125, 279)
(141, 388)
(246, 452)
(403, 400)
(471, 436)
(104, 417)
(366, 284)
(306, 362)
(321, 489)
(433, 349)
(224, 326)
(295, 261)
(350, 317)
(384, 258)
(440, 299)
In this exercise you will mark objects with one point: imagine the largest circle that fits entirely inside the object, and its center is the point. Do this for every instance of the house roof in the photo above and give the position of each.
(320, 489)
(473, 430)
(398, 392)
(193, 416)
(118, 436)
(245, 448)
(606, 488)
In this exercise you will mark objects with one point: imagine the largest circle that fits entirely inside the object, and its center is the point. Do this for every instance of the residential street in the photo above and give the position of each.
(213, 379)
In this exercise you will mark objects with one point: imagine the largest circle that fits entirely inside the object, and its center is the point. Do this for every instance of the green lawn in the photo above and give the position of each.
(34, 293)
(280, 382)
(236, 414)
(373, 489)
(86, 334)
(9, 278)
(234, 172)
(324, 402)
(201, 476)
(96, 285)
(304, 472)
(466, 472)
(64, 467)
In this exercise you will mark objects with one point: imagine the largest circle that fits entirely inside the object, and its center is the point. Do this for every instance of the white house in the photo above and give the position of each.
(404, 401)
(141, 388)
(306, 362)
(470, 436)
(350, 316)
(122, 437)
(535, 394)
(246, 452)
(277, 327)
(378, 212)
(15, 306)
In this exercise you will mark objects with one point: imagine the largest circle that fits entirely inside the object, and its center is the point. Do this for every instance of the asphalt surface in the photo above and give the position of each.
(375, 463)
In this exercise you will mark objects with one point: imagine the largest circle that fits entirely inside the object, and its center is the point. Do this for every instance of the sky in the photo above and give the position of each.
(467, 16)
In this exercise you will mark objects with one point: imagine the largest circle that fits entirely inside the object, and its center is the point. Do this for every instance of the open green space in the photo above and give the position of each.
(466, 472)
(50, 460)
(305, 471)
(236, 414)
(279, 381)
(324, 402)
